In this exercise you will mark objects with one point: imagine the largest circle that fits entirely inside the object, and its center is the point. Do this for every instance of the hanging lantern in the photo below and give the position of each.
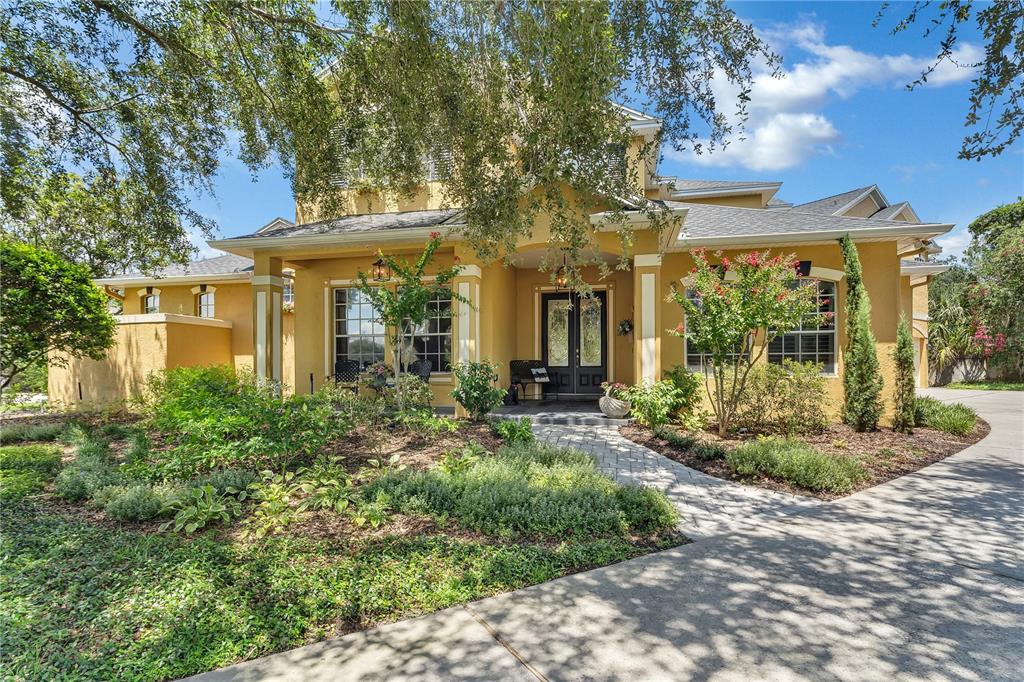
(561, 275)
(381, 271)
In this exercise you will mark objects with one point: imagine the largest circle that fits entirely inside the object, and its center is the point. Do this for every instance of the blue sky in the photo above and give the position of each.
(840, 118)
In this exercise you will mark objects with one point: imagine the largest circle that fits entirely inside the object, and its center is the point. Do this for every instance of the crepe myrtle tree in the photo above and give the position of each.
(726, 313)
(403, 302)
(48, 308)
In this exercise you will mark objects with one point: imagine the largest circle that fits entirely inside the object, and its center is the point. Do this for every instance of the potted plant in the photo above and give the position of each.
(612, 404)
(376, 375)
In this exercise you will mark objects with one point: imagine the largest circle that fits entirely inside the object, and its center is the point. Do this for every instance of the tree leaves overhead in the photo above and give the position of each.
(513, 102)
(995, 114)
(140, 99)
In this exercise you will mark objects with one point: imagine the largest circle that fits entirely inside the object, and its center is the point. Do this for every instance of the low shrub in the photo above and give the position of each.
(646, 510)
(44, 459)
(223, 480)
(654, 404)
(700, 449)
(136, 503)
(216, 418)
(522, 490)
(195, 508)
(676, 440)
(16, 484)
(955, 418)
(514, 432)
(82, 479)
(796, 463)
(477, 391)
(709, 452)
(27, 433)
(789, 399)
(689, 385)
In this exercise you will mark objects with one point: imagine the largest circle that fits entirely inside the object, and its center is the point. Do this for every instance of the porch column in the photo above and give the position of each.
(466, 320)
(647, 311)
(267, 298)
(466, 325)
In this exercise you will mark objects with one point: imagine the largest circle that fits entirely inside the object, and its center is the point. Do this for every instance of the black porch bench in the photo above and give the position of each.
(521, 373)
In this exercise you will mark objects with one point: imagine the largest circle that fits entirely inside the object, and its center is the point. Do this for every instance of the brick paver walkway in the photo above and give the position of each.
(707, 505)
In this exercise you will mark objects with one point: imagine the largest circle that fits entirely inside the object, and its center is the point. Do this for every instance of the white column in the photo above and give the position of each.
(647, 327)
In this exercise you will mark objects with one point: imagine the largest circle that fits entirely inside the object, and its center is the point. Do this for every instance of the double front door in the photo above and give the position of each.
(573, 341)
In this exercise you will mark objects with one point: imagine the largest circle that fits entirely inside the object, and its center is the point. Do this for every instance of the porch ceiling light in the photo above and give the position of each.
(381, 270)
(561, 275)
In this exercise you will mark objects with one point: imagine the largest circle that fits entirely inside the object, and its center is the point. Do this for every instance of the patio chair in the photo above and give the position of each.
(522, 373)
(346, 373)
(421, 368)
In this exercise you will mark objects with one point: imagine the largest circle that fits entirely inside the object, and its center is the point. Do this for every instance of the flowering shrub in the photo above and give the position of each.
(653, 404)
(726, 316)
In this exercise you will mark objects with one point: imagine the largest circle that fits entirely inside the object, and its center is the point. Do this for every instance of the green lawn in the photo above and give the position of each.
(87, 602)
(988, 385)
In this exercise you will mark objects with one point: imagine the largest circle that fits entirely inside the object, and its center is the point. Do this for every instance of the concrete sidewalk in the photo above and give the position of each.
(919, 578)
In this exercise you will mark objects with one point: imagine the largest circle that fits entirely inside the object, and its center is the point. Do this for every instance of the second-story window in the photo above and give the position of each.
(204, 304)
(288, 296)
(151, 303)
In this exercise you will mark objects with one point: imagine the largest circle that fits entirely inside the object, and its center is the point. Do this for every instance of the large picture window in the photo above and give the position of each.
(815, 339)
(696, 357)
(433, 339)
(358, 331)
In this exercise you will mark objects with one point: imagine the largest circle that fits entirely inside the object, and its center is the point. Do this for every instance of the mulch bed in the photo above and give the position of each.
(885, 454)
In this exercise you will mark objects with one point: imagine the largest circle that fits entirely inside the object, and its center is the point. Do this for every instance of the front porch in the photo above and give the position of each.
(511, 312)
(559, 412)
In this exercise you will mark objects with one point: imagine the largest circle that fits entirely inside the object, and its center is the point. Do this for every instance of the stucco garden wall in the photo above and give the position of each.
(143, 344)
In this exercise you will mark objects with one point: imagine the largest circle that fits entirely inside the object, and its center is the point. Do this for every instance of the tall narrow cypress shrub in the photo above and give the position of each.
(862, 378)
(903, 392)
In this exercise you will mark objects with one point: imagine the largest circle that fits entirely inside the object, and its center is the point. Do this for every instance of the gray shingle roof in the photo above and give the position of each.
(364, 222)
(889, 212)
(218, 265)
(829, 205)
(705, 221)
(691, 185)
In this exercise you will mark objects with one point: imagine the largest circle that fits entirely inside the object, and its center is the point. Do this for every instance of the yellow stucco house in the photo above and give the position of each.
(281, 300)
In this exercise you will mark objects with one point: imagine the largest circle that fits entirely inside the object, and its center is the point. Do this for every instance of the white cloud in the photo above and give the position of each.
(785, 125)
(783, 141)
(954, 243)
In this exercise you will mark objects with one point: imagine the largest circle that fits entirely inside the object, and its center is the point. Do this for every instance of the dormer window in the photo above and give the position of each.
(204, 304)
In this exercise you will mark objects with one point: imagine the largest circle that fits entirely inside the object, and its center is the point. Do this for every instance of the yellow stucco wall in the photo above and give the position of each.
(881, 279)
(139, 349)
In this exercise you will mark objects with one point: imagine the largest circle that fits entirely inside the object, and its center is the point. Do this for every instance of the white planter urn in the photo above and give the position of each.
(613, 408)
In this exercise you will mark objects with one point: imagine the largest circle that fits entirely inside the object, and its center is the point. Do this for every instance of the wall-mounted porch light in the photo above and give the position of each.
(381, 270)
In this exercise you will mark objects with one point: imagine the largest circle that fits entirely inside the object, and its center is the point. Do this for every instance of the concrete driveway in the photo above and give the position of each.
(919, 578)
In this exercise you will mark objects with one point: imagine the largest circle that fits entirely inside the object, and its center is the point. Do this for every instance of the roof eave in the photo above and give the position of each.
(247, 246)
(823, 236)
(173, 279)
(767, 191)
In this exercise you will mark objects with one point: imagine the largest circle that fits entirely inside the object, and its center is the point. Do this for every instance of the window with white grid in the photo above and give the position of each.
(696, 358)
(204, 304)
(151, 303)
(814, 340)
(432, 340)
(358, 331)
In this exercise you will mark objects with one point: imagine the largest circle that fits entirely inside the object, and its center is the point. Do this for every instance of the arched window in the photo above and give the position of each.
(151, 303)
(204, 304)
